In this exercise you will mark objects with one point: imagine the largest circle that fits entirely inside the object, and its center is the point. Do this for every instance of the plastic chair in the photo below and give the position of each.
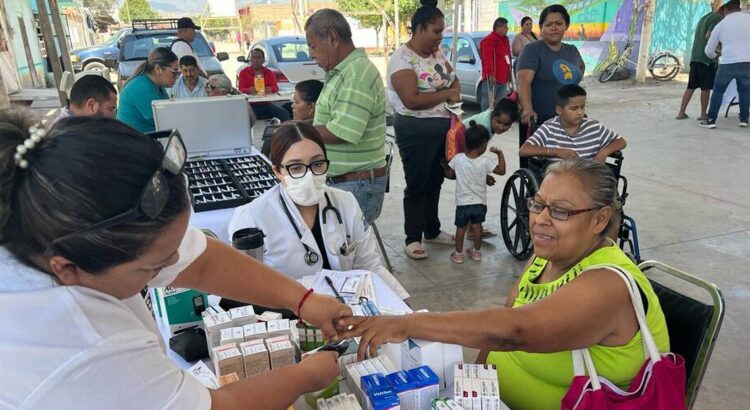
(693, 325)
(389, 144)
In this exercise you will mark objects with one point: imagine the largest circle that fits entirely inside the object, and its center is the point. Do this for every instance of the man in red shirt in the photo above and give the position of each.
(246, 85)
(495, 50)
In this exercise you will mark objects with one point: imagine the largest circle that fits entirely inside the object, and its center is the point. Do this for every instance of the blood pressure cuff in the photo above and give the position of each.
(190, 344)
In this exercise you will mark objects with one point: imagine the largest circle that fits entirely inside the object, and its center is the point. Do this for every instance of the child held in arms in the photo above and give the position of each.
(570, 134)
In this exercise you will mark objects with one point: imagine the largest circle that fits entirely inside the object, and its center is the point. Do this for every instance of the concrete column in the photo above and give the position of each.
(645, 43)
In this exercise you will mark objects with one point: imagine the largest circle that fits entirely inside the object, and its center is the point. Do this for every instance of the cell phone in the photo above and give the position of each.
(339, 347)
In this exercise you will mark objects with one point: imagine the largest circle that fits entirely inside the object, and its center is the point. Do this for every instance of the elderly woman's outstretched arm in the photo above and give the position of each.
(593, 308)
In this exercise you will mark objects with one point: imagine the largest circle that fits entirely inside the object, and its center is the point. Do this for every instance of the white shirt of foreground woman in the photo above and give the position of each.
(285, 251)
(84, 348)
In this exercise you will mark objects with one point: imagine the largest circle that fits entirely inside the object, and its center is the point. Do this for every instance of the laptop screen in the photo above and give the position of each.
(210, 127)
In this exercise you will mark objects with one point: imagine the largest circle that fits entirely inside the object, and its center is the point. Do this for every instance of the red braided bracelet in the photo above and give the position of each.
(302, 302)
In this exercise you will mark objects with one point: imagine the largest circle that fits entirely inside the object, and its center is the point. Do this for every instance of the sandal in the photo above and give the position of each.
(415, 250)
(681, 116)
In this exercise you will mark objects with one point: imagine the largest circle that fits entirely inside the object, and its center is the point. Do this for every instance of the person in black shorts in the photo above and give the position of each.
(702, 68)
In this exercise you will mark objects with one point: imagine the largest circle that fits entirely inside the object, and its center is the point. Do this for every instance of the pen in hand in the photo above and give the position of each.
(335, 292)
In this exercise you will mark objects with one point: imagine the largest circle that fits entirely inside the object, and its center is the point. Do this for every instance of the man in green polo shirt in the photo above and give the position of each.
(702, 68)
(350, 112)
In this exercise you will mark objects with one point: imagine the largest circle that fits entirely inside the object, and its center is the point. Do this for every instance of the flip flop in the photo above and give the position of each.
(415, 251)
(682, 116)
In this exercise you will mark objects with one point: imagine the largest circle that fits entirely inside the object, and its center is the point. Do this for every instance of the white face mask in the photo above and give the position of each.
(307, 190)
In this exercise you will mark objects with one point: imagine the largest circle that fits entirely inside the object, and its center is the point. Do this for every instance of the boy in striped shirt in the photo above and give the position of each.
(570, 134)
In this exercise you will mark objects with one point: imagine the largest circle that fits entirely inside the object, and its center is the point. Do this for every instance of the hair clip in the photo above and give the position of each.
(36, 134)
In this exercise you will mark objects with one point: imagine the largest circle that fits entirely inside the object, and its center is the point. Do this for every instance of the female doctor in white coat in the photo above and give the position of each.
(310, 226)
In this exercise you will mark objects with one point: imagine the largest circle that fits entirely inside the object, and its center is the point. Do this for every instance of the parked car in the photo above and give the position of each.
(289, 60)
(468, 61)
(136, 46)
(94, 58)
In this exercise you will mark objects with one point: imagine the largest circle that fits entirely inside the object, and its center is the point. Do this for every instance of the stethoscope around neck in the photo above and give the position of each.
(312, 257)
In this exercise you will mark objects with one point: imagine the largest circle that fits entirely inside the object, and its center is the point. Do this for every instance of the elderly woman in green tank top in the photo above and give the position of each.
(557, 306)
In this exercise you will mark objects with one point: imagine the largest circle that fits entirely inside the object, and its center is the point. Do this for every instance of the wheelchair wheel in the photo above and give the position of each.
(514, 216)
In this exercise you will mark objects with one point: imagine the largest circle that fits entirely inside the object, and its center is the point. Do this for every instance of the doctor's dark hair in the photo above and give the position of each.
(476, 135)
(425, 15)
(555, 8)
(85, 170)
(288, 135)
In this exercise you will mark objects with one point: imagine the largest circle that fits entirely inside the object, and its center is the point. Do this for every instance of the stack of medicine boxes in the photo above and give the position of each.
(239, 343)
(379, 386)
(475, 386)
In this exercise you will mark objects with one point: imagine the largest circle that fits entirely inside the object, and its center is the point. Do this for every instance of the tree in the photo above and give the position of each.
(136, 10)
(100, 7)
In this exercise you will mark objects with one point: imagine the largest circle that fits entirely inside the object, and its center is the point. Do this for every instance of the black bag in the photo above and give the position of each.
(190, 344)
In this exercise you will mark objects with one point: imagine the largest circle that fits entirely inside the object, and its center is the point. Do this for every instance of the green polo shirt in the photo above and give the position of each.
(352, 107)
(134, 107)
(705, 24)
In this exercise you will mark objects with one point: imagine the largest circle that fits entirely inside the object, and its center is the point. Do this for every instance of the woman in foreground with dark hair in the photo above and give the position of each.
(91, 212)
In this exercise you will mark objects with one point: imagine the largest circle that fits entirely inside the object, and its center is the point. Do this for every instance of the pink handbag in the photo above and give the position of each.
(660, 383)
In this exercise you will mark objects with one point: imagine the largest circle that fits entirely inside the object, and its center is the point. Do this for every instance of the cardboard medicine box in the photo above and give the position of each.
(214, 325)
(255, 357)
(282, 353)
(232, 335)
(243, 315)
(227, 360)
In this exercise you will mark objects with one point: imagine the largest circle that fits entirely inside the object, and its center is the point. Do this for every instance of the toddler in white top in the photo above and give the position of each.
(470, 170)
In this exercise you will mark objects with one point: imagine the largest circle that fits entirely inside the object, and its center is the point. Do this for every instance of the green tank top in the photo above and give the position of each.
(540, 380)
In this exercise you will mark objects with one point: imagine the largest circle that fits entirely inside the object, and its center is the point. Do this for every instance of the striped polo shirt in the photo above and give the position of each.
(591, 137)
(352, 107)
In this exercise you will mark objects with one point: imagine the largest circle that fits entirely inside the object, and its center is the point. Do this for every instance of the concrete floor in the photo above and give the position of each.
(687, 194)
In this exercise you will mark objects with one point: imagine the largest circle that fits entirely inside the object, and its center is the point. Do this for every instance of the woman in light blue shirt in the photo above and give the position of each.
(147, 84)
(497, 120)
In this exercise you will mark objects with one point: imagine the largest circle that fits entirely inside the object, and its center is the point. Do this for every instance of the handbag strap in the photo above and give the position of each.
(582, 361)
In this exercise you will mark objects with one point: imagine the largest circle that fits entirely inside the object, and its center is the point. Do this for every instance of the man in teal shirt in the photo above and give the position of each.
(350, 111)
(702, 68)
(146, 85)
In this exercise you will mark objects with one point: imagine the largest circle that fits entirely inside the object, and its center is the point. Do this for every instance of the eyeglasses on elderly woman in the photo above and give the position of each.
(560, 214)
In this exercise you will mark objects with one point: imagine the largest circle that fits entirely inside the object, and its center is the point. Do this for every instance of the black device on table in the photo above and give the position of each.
(339, 347)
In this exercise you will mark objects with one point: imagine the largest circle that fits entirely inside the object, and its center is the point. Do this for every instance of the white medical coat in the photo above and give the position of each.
(283, 251)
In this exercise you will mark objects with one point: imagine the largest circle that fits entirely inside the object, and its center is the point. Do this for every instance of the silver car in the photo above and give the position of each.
(136, 46)
(468, 62)
(288, 58)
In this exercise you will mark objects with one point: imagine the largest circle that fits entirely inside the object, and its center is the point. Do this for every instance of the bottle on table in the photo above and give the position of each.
(260, 85)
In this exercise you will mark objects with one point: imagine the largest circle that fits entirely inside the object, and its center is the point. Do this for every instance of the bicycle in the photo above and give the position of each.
(663, 66)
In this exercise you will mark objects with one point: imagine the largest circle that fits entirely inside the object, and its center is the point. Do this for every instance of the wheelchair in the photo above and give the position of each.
(524, 184)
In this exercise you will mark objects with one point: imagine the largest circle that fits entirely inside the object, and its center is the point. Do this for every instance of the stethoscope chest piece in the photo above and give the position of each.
(311, 258)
